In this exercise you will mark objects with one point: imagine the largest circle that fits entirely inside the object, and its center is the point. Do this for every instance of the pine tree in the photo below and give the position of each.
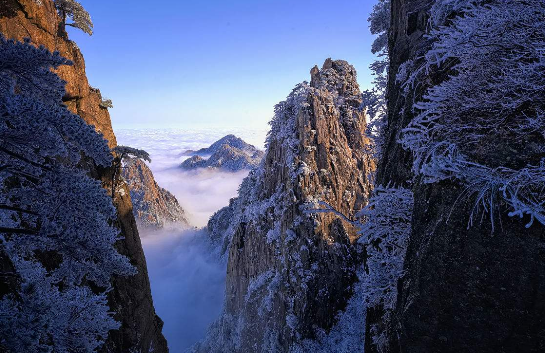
(374, 100)
(73, 10)
(55, 221)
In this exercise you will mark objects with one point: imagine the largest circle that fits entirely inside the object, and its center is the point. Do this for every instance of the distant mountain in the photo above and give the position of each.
(153, 206)
(229, 140)
(229, 153)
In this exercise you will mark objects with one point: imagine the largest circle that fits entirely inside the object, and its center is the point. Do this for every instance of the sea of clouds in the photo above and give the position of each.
(200, 192)
(187, 277)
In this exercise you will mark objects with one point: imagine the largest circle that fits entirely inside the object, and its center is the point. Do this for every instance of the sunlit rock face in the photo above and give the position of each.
(130, 298)
(290, 269)
(230, 153)
(153, 206)
(28, 19)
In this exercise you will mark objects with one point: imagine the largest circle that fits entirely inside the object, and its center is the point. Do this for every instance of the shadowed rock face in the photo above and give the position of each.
(465, 290)
(153, 206)
(130, 298)
(289, 271)
(229, 153)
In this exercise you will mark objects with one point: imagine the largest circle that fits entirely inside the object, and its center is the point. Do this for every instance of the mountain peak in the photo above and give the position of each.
(230, 153)
(336, 76)
(280, 277)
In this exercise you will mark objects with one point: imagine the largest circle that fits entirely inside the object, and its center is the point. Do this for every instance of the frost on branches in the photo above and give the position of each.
(492, 54)
(55, 230)
(73, 9)
(126, 152)
(375, 100)
(385, 226)
(106, 103)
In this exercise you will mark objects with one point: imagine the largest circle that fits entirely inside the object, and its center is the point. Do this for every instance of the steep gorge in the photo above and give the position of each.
(130, 298)
(290, 268)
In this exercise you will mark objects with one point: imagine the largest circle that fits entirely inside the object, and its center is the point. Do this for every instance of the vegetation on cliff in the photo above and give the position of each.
(56, 222)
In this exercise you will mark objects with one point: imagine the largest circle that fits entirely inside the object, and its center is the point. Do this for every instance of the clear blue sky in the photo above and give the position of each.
(181, 63)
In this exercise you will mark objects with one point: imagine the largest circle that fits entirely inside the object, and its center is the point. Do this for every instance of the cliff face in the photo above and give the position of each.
(26, 19)
(466, 289)
(290, 270)
(153, 206)
(130, 298)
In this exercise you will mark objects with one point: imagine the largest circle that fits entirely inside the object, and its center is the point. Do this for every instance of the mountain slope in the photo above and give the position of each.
(153, 206)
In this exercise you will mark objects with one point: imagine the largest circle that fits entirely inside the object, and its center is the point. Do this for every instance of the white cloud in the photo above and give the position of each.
(187, 280)
(187, 284)
(199, 192)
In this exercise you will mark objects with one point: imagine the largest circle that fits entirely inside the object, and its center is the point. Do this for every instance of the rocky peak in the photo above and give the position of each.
(153, 206)
(229, 153)
(290, 269)
(337, 77)
(229, 140)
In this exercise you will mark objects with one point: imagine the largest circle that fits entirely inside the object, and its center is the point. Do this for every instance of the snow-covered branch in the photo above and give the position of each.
(493, 58)
(50, 206)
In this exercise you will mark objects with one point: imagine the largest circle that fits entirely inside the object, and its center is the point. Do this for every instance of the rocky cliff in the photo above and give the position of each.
(290, 269)
(131, 297)
(153, 206)
(229, 153)
(466, 288)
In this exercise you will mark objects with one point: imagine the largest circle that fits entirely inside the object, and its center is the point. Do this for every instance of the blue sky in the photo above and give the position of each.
(190, 64)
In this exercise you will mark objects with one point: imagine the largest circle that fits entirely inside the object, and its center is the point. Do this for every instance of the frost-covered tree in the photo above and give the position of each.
(379, 24)
(75, 11)
(385, 226)
(131, 152)
(106, 103)
(492, 56)
(55, 221)
(374, 100)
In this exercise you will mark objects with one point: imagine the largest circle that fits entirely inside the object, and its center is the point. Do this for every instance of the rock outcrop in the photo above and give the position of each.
(466, 289)
(290, 269)
(229, 153)
(130, 298)
(153, 206)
